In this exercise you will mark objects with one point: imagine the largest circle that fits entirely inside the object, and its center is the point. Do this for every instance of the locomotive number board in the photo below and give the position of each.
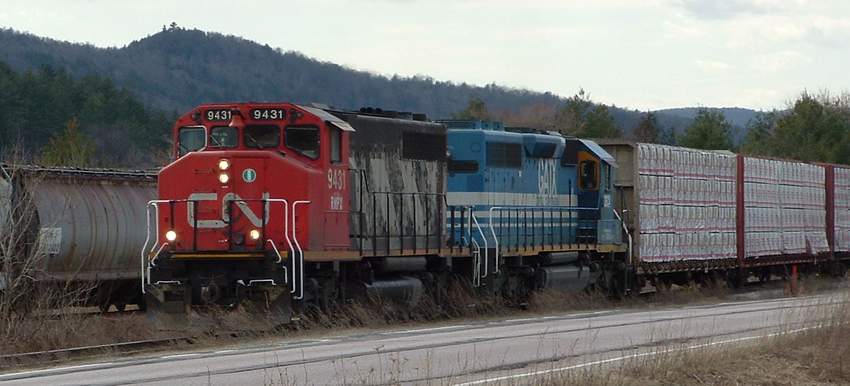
(218, 115)
(268, 114)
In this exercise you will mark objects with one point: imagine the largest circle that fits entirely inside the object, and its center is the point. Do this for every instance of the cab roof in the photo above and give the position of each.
(599, 152)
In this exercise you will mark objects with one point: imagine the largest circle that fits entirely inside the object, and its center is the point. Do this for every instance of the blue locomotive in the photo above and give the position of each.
(517, 193)
(537, 189)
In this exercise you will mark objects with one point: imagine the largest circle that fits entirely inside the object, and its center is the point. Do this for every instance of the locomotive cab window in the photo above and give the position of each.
(304, 140)
(261, 136)
(191, 138)
(335, 144)
(224, 136)
(588, 178)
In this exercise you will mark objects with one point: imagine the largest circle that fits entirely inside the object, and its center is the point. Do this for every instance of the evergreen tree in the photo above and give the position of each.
(71, 147)
(38, 107)
(570, 119)
(600, 124)
(580, 117)
(815, 129)
(710, 130)
(759, 138)
(647, 129)
(475, 109)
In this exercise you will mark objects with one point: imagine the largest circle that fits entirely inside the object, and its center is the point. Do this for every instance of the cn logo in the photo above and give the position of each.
(225, 217)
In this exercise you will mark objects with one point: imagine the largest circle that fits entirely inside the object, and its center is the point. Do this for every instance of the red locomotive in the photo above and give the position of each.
(256, 208)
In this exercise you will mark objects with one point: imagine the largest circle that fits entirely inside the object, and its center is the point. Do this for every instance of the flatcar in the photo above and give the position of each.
(704, 216)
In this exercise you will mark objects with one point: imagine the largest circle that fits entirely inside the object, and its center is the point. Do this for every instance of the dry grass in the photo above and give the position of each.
(817, 356)
(456, 302)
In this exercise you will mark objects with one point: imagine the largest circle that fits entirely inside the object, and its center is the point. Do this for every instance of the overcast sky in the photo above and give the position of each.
(640, 54)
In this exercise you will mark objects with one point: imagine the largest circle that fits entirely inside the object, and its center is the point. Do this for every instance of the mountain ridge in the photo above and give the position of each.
(177, 69)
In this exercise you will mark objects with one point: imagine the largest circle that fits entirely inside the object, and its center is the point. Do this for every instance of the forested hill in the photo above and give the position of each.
(176, 69)
(736, 116)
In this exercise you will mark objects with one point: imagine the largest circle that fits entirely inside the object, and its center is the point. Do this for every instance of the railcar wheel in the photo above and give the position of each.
(613, 282)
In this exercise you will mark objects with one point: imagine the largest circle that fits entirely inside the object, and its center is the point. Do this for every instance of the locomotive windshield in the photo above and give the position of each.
(191, 139)
(304, 140)
(224, 136)
(261, 136)
(587, 178)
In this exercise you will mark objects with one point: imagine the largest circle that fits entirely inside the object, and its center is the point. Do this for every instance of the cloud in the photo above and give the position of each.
(713, 65)
(780, 61)
(728, 9)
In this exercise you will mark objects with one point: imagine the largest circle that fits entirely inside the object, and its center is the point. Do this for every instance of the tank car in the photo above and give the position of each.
(74, 228)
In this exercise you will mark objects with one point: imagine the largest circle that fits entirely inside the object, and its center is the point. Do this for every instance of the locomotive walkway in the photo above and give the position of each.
(515, 351)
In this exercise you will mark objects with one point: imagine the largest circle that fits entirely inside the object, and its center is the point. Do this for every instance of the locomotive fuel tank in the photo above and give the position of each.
(81, 225)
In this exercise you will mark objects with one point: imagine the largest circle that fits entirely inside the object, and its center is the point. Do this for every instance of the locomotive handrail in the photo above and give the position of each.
(285, 236)
(300, 253)
(494, 208)
(289, 243)
(363, 233)
(472, 219)
(395, 215)
(145, 277)
(285, 229)
(145, 267)
(476, 273)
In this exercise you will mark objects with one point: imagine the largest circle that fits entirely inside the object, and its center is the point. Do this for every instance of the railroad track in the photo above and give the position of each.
(52, 356)
(59, 355)
(468, 352)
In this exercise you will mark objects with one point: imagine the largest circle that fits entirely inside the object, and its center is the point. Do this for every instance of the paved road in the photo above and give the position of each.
(508, 352)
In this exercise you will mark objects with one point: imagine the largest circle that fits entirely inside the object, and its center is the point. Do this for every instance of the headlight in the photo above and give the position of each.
(223, 178)
(223, 164)
(171, 235)
(255, 234)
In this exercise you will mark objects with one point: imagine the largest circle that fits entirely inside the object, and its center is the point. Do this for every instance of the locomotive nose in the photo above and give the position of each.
(225, 208)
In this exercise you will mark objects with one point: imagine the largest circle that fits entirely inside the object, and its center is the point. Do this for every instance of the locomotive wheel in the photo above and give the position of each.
(662, 285)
